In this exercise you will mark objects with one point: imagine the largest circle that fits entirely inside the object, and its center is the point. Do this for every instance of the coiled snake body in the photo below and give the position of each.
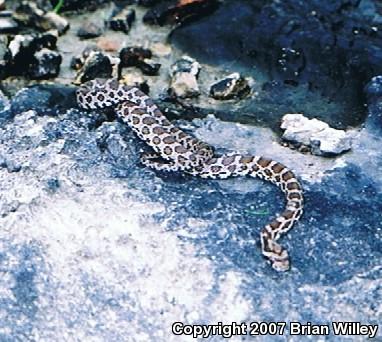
(174, 150)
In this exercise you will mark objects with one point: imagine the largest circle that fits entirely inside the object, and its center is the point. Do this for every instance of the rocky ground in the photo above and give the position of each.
(95, 247)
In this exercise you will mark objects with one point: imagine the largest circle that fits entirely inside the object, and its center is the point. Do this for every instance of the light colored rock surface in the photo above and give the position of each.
(316, 134)
(184, 75)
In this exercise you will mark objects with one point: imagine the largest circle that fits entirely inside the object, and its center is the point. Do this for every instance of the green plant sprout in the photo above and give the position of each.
(57, 8)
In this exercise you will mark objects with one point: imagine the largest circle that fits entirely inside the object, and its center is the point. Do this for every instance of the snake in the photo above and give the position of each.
(175, 150)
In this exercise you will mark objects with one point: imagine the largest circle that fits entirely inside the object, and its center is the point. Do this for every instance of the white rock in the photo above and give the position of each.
(184, 74)
(318, 135)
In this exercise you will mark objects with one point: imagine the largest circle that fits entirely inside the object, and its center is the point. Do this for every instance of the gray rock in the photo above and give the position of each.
(318, 135)
(97, 65)
(46, 64)
(52, 20)
(90, 30)
(233, 86)
(112, 244)
(184, 74)
(123, 20)
(8, 25)
(29, 14)
(139, 57)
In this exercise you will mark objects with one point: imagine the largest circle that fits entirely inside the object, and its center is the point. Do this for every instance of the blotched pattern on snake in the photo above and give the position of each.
(174, 150)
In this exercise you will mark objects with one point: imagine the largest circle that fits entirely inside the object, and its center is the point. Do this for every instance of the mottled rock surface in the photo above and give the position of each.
(318, 135)
(108, 249)
(334, 47)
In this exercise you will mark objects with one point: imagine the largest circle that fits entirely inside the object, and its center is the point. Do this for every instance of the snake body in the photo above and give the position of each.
(174, 150)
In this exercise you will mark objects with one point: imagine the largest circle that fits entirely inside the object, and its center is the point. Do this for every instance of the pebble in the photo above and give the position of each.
(184, 74)
(322, 139)
(233, 86)
(140, 58)
(96, 65)
(8, 25)
(90, 30)
(46, 64)
(29, 14)
(32, 55)
(123, 20)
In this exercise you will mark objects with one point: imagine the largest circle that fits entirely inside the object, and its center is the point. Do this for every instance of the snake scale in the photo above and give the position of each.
(174, 150)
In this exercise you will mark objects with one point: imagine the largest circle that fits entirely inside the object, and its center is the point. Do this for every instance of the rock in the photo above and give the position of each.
(81, 186)
(52, 20)
(149, 67)
(123, 20)
(78, 61)
(90, 30)
(178, 11)
(140, 58)
(23, 48)
(45, 99)
(294, 44)
(29, 14)
(322, 139)
(132, 56)
(233, 86)
(184, 75)
(2, 5)
(8, 25)
(46, 64)
(97, 65)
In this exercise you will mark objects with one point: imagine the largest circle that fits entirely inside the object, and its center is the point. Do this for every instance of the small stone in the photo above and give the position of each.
(131, 56)
(46, 64)
(186, 64)
(233, 86)
(89, 30)
(97, 65)
(123, 20)
(148, 67)
(29, 14)
(8, 25)
(140, 58)
(22, 50)
(322, 139)
(53, 21)
(184, 73)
